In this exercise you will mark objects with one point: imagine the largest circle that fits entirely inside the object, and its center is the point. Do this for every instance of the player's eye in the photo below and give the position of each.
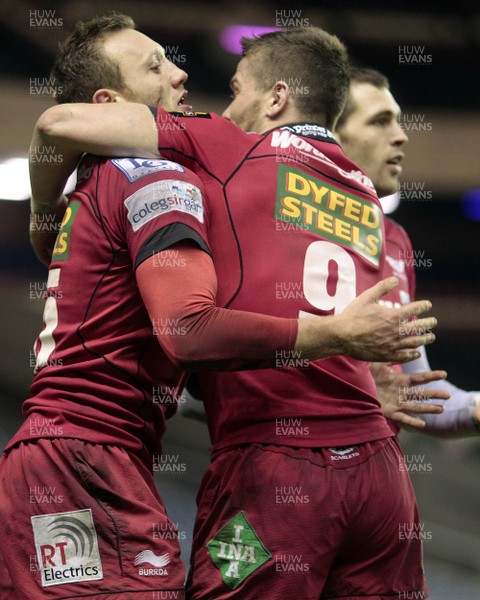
(381, 121)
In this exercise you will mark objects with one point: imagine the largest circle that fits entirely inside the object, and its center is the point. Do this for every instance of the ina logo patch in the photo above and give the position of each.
(237, 551)
(67, 547)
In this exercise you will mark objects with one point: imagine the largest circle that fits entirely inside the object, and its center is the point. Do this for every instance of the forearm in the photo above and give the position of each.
(50, 166)
(198, 335)
(194, 332)
(109, 129)
(213, 338)
(319, 337)
(461, 416)
(51, 162)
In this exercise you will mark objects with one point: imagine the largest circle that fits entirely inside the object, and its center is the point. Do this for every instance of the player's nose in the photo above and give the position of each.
(177, 76)
(226, 113)
(400, 137)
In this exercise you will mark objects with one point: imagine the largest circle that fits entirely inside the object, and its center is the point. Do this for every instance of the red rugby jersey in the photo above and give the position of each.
(101, 375)
(399, 261)
(295, 229)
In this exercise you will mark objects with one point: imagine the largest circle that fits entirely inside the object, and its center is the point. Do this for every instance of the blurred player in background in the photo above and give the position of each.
(93, 429)
(370, 134)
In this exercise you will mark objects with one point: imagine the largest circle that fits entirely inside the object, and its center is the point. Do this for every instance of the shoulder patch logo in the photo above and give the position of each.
(62, 243)
(136, 168)
(161, 197)
(237, 551)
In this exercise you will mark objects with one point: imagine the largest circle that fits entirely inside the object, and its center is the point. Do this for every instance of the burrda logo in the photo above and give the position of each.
(67, 547)
(158, 562)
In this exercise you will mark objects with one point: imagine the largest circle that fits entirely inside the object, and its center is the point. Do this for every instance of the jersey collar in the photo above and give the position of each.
(310, 130)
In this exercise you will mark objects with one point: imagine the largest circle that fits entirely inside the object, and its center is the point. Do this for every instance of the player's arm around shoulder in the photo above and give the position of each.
(69, 130)
(106, 129)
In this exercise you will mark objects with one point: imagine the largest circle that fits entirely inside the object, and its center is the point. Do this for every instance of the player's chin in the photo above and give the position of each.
(391, 185)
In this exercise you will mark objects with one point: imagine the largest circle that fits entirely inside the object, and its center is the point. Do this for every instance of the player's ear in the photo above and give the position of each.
(104, 95)
(278, 99)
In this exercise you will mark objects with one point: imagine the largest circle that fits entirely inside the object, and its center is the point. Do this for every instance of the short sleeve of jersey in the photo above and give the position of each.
(407, 249)
(205, 138)
(163, 203)
(400, 261)
(409, 267)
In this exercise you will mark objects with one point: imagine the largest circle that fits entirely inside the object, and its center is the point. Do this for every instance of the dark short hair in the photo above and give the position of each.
(361, 75)
(81, 66)
(307, 58)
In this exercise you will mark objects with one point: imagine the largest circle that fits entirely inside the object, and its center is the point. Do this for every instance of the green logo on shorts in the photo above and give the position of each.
(237, 551)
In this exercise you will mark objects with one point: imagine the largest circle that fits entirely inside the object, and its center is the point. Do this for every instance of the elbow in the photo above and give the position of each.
(49, 125)
(186, 335)
(187, 355)
(197, 358)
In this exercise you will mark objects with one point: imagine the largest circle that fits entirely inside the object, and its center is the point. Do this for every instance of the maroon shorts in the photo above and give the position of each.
(80, 520)
(276, 522)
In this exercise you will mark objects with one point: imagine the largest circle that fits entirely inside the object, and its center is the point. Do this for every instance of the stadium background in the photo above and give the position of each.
(439, 91)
